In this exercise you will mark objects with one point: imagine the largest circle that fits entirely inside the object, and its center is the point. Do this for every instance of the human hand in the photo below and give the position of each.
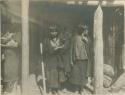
(59, 47)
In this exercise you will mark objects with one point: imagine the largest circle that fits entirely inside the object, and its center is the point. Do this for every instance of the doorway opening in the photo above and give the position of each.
(66, 17)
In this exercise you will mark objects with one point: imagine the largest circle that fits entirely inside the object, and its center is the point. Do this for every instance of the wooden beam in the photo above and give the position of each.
(107, 3)
(95, 3)
(65, 0)
(98, 51)
(25, 47)
(87, 2)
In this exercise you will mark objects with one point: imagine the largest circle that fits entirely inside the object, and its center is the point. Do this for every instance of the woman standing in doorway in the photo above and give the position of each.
(52, 57)
(79, 60)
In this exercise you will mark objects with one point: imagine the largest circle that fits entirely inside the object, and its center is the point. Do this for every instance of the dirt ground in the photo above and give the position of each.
(34, 89)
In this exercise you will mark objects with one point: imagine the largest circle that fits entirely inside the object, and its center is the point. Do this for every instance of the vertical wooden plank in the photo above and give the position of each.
(0, 48)
(98, 51)
(25, 47)
(123, 53)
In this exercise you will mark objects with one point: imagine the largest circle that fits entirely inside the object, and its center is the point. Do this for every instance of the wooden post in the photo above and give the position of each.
(123, 53)
(0, 49)
(25, 47)
(98, 51)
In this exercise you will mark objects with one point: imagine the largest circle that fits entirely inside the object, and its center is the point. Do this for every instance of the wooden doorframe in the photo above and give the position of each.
(25, 47)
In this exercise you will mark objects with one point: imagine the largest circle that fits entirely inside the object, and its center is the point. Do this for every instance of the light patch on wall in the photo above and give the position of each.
(71, 2)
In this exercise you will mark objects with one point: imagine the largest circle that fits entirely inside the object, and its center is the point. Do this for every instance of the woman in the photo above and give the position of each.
(11, 43)
(52, 57)
(79, 60)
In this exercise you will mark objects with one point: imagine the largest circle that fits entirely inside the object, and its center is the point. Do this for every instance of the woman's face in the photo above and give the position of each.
(53, 33)
(85, 33)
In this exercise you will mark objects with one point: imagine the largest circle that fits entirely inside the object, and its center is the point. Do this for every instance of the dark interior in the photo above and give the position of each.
(68, 16)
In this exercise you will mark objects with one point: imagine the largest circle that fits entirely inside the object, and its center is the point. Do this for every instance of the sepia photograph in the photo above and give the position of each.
(62, 47)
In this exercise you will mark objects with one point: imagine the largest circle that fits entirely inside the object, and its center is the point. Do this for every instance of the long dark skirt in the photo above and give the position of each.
(10, 69)
(11, 65)
(54, 78)
(79, 73)
(54, 72)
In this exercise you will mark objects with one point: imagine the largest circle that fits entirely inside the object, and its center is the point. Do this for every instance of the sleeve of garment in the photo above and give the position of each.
(44, 49)
(77, 47)
(47, 49)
